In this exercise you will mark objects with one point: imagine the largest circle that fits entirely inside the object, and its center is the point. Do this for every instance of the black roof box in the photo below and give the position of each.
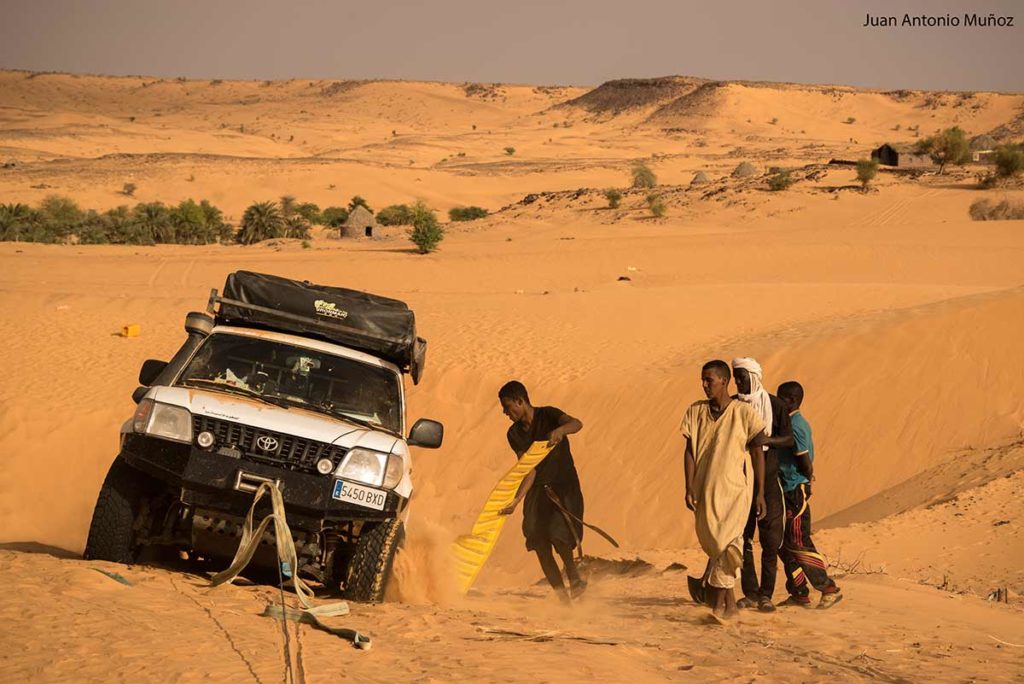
(380, 326)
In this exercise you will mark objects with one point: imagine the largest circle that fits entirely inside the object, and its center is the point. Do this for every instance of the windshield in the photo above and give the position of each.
(286, 375)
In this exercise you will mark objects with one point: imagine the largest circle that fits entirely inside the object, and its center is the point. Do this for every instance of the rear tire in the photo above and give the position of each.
(113, 533)
(370, 568)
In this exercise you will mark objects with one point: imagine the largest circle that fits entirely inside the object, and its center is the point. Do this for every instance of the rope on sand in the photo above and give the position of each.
(1005, 643)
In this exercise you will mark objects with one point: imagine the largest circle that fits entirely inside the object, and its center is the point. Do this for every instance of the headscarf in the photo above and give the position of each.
(758, 397)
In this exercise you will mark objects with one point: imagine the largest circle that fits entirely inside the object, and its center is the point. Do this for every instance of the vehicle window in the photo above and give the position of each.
(289, 375)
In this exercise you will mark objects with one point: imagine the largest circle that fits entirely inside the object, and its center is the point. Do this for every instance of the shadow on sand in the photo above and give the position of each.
(36, 547)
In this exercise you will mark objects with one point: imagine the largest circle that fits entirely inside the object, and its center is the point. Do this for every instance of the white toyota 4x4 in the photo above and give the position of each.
(280, 381)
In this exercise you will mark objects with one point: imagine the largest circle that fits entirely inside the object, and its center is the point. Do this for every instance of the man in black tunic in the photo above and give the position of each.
(545, 526)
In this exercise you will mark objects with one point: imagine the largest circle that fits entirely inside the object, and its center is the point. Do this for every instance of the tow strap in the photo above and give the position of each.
(288, 562)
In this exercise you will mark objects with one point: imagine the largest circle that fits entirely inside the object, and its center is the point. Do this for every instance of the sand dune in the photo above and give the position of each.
(899, 315)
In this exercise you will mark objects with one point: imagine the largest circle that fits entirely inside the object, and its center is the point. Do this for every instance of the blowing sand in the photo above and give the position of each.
(900, 316)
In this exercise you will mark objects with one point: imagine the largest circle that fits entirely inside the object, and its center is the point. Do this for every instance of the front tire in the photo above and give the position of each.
(114, 533)
(370, 567)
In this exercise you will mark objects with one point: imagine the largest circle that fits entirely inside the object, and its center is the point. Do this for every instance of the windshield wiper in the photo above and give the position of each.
(235, 389)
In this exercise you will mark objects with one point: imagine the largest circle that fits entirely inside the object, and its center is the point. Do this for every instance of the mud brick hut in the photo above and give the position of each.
(901, 156)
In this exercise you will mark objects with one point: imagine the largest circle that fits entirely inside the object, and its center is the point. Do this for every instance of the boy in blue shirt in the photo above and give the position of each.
(800, 559)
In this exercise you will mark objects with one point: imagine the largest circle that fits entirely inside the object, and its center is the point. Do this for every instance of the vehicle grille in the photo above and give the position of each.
(291, 452)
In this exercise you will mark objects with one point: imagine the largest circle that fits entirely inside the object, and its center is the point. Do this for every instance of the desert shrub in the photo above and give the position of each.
(466, 213)
(358, 201)
(305, 244)
(779, 181)
(510, 151)
(59, 218)
(987, 210)
(699, 178)
(946, 147)
(867, 169)
(189, 224)
(261, 221)
(850, 120)
(310, 212)
(1009, 160)
(334, 217)
(656, 204)
(395, 215)
(744, 170)
(128, 189)
(426, 232)
(643, 177)
(614, 197)
(774, 120)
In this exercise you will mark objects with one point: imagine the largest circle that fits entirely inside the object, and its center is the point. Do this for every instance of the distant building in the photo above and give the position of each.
(901, 156)
(360, 223)
(983, 156)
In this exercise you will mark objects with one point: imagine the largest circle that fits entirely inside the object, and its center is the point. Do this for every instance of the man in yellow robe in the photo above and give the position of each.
(724, 465)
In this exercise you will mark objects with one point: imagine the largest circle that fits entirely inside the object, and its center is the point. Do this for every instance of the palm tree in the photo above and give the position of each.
(215, 222)
(288, 206)
(261, 221)
(296, 227)
(154, 223)
(16, 221)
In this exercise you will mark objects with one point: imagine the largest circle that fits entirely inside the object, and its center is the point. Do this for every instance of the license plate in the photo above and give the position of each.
(359, 495)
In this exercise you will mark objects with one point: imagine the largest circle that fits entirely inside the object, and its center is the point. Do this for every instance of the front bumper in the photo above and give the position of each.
(223, 484)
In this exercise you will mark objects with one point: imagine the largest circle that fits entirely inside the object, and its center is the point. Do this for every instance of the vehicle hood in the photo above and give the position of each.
(291, 421)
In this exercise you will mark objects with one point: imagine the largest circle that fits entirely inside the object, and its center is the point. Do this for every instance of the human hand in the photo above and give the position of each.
(762, 507)
(555, 437)
(691, 500)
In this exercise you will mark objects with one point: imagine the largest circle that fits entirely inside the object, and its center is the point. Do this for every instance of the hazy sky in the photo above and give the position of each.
(571, 42)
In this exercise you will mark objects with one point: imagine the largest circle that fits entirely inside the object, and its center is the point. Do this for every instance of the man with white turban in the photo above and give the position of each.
(771, 527)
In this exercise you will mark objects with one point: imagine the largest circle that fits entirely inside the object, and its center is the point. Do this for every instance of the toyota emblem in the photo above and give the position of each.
(267, 443)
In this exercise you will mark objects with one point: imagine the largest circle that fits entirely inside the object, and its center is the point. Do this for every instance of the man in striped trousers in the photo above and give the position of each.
(801, 561)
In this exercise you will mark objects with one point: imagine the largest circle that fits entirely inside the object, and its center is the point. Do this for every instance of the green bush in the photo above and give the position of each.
(310, 212)
(466, 213)
(395, 215)
(334, 217)
(946, 147)
(867, 169)
(1009, 160)
(643, 177)
(780, 181)
(59, 218)
(128, 189)
(656, 205)
(426, 233)
(261, 221)
(614, 197)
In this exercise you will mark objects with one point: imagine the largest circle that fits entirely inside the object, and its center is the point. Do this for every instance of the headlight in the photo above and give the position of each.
(163, 420)
(366, 465)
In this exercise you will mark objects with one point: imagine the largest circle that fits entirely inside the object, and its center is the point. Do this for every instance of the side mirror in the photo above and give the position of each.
(426, 433)
(150, 371)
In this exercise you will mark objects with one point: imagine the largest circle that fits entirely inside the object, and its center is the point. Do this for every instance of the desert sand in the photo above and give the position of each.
(900, 316)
